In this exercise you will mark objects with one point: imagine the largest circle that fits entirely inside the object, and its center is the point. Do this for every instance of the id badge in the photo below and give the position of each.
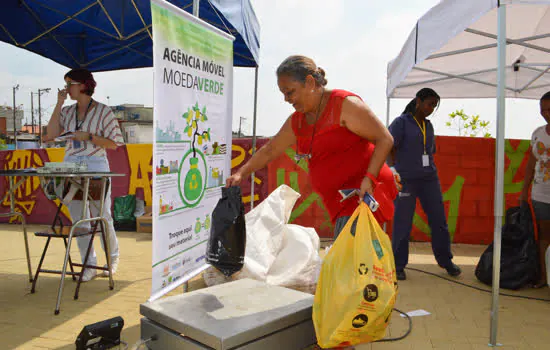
(425, 160)
(76, 144)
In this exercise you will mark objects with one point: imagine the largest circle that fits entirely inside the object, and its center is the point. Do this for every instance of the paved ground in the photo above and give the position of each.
(459, 315)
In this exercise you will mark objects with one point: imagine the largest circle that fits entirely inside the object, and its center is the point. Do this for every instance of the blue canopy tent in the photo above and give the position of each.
(110, 35)
(105, 35)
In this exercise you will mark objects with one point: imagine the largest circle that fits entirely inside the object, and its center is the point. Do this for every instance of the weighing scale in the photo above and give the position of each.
(244, 315)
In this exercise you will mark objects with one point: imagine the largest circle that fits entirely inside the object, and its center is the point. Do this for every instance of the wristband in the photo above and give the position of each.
(372, 178)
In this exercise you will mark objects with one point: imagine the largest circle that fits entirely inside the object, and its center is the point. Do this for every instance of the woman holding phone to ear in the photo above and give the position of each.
(93, 129)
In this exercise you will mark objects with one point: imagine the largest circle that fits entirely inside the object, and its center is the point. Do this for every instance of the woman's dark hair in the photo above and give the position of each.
(299, 67)
(546, 96)
(84, 76)
(422, 94)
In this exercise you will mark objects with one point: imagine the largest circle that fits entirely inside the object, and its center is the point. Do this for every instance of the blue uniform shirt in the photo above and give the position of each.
(408, 141)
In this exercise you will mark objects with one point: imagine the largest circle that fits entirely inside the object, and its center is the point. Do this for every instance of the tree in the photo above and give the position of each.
(468, 125)
(193, 116)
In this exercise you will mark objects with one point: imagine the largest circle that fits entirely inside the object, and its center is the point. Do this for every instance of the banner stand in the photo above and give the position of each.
(193, 105)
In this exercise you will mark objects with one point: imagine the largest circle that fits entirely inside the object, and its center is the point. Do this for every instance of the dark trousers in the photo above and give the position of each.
(428, 191)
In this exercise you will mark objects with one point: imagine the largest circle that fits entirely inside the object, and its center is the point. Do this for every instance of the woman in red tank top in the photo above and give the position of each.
(344, 143)
(342, 140)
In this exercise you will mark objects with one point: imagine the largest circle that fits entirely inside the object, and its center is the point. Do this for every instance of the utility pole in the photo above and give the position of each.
(15, 88)
(40, 92)
(32, 112)
(240, 122)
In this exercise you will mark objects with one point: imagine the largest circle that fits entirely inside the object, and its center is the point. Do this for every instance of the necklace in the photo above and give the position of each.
(298, 156)
(79, 125)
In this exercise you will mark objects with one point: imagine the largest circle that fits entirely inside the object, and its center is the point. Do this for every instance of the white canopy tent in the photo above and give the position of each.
(478, 49)
(453, 49)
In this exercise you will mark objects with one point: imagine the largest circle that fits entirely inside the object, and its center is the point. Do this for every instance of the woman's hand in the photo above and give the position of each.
(81, 136)
(61, 96)
(366, 187)
(234, 180)
(397, 179)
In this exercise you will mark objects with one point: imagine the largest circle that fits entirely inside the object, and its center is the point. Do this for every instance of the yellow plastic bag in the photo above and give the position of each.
(357, 287)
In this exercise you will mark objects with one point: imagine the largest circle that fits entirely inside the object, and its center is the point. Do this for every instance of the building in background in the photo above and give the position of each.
(6, 124)
(6, 119)
(136, 122)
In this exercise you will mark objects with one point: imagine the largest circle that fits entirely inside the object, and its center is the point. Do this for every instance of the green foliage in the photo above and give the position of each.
(468, 125)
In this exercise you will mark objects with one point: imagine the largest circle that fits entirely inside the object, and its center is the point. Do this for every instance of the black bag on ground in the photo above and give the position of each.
(226, 245)
(519, 256)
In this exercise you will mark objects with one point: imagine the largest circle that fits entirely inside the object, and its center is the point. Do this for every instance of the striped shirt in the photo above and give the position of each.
(99, 121)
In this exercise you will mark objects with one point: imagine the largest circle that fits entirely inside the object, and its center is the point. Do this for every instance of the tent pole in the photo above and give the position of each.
(196, 8)
(387, 112)
(385, 226)
(252, 177)
(196, 14)
(499, 169)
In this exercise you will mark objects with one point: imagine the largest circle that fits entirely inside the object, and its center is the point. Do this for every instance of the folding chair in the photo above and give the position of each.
(61, 231)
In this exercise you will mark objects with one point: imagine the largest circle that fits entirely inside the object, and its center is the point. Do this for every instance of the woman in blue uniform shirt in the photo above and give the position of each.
(412, 158)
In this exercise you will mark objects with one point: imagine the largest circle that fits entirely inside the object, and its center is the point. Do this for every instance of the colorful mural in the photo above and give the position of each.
(135, 161)
(309, 210)
(241, 152)
(466, 170)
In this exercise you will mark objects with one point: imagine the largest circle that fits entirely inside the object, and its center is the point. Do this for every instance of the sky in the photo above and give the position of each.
(352, 40)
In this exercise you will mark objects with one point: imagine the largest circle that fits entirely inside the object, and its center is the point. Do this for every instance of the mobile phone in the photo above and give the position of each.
(367, 198)
(348, 193)
(371, 202)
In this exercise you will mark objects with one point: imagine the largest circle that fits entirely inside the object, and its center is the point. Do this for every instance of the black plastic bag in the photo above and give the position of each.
(519, 255)
(226, 245)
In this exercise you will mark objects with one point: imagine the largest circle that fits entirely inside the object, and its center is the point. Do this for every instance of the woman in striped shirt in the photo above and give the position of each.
(94, 129)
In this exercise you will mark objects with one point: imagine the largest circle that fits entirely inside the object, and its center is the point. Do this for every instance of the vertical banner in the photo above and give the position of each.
(193, 82)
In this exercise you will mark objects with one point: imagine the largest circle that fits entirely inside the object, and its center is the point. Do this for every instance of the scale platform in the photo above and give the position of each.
(244, 315)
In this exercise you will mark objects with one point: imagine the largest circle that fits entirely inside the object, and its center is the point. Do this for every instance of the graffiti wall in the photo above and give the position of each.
(241, 153)
(29, 197)
(466, 170)
(309, 210)
(135, 161)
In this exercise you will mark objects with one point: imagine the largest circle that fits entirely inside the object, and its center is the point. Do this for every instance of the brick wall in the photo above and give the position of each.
(466, 169)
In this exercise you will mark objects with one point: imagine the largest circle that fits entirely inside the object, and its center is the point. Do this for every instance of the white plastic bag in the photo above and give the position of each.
(277, 252)
(265, 228)
(298, 263)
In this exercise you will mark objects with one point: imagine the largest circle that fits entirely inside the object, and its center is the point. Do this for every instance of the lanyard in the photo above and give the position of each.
(77, 126)
(423, 130)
